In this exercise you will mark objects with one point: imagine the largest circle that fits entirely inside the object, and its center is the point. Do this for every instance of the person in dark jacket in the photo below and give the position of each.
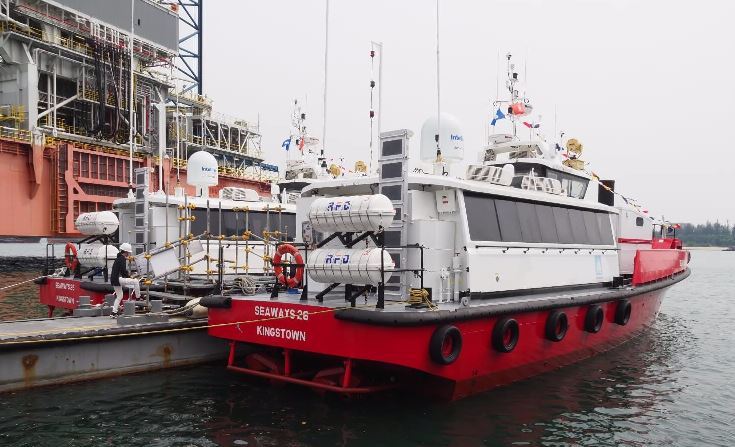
(119, 278)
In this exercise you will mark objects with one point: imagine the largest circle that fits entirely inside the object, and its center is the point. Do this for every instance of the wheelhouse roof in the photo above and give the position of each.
(368, 185)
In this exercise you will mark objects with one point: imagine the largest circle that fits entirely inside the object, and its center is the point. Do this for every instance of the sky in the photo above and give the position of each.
(647, 86)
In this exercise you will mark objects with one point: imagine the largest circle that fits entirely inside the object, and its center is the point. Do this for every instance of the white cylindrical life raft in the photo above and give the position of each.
(351, 213)
(93, 255)
(101, 222)
(349, 265)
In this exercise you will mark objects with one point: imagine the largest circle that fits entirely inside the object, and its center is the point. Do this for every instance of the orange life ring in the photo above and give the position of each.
(70, 256)
(288, 281)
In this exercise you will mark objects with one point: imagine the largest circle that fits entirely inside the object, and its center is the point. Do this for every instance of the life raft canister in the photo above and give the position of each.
(288, 281)
(445, 345)
(70, 256)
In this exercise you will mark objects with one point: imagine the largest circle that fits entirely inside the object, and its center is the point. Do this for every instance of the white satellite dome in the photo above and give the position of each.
(451, 138)
(201, 172)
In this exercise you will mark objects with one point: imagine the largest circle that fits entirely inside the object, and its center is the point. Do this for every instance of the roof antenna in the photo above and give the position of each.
(438, 91)
(326, 64)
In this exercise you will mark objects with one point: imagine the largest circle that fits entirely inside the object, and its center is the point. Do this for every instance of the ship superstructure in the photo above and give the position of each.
(71, 73)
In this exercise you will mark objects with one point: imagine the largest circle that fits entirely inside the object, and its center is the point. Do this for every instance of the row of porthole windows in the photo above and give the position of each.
(446, 341)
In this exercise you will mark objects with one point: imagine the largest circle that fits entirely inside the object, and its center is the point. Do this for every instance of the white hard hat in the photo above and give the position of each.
(126, 247)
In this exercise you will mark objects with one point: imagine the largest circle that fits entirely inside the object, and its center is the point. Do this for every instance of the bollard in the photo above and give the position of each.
(129, 308)
(109, 299)
(84, 302)
(156, 306)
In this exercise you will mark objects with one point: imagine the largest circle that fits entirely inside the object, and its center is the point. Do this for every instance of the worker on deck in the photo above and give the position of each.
(120, 278)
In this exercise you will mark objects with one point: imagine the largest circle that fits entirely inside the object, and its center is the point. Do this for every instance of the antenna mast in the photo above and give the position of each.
(438, 89)
(326, 64)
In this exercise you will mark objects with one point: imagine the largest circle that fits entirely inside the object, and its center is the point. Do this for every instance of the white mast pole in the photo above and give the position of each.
(438, 83)
(132, 86)
(380, 91)
(326, 64)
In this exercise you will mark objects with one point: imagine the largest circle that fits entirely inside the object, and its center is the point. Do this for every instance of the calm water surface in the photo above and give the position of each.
(675, 385)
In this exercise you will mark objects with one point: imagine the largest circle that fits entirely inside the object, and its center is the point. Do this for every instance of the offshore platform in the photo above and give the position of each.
(74, 75)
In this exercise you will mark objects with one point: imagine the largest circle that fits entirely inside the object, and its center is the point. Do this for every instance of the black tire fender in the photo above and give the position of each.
(557, 325)
(594, 319)
(437, 344)
(622, 312)
(505, 326)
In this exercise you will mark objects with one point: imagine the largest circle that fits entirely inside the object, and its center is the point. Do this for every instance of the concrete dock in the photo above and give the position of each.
(59, 350)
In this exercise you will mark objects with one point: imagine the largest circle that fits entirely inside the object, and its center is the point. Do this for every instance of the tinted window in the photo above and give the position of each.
(482, 218)
(639, 221)
(399, 213)
(606, 234)
(392, 147)
(593, 227)
(510, 224)
(392, 192)
(579, 230)
(392, 238)
(563, 225)
(530, 229)
(391, 170)
(547, 224)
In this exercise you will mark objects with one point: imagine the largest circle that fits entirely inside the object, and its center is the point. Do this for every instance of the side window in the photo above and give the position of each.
(638, 221)
(606, 233)
(530, 229)
(547, 224)
(482, 218)
(563, 225)
(510, 224)
(593, 227)
(579, 230)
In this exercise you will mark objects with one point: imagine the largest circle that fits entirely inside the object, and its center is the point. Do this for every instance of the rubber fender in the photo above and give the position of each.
(216, 302)
(622, 312)
(40, 281)
(505, 335)
(445, 345)
(594, 319)
(557, 325)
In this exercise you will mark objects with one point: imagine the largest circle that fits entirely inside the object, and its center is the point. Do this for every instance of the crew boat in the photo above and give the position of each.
(452, 285)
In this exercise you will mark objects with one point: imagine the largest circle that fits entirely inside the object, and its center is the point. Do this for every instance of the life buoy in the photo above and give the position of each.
(445, 345)
(557, 325)
(505, 335)
(622, 312)
(70, 256)
(288, 281)
(594, 319)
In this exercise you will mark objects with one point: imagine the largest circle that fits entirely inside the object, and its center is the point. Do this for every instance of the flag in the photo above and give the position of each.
(286, 143)
(301, 144)
(531, 125)
(498, 116)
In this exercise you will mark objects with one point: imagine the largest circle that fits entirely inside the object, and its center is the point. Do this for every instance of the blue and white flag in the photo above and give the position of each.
(498, 116)
(286, 143)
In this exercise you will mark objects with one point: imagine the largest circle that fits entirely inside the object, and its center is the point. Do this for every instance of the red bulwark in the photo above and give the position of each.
(652, 265)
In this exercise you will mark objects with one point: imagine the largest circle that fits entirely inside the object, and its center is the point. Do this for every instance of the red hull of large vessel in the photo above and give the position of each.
(44, 190)
(479, 366)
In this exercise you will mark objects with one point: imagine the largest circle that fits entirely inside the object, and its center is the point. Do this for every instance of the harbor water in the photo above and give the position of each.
(671, 386)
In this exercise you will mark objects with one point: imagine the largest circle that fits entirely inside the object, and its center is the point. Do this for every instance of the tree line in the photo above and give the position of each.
(709, 234)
